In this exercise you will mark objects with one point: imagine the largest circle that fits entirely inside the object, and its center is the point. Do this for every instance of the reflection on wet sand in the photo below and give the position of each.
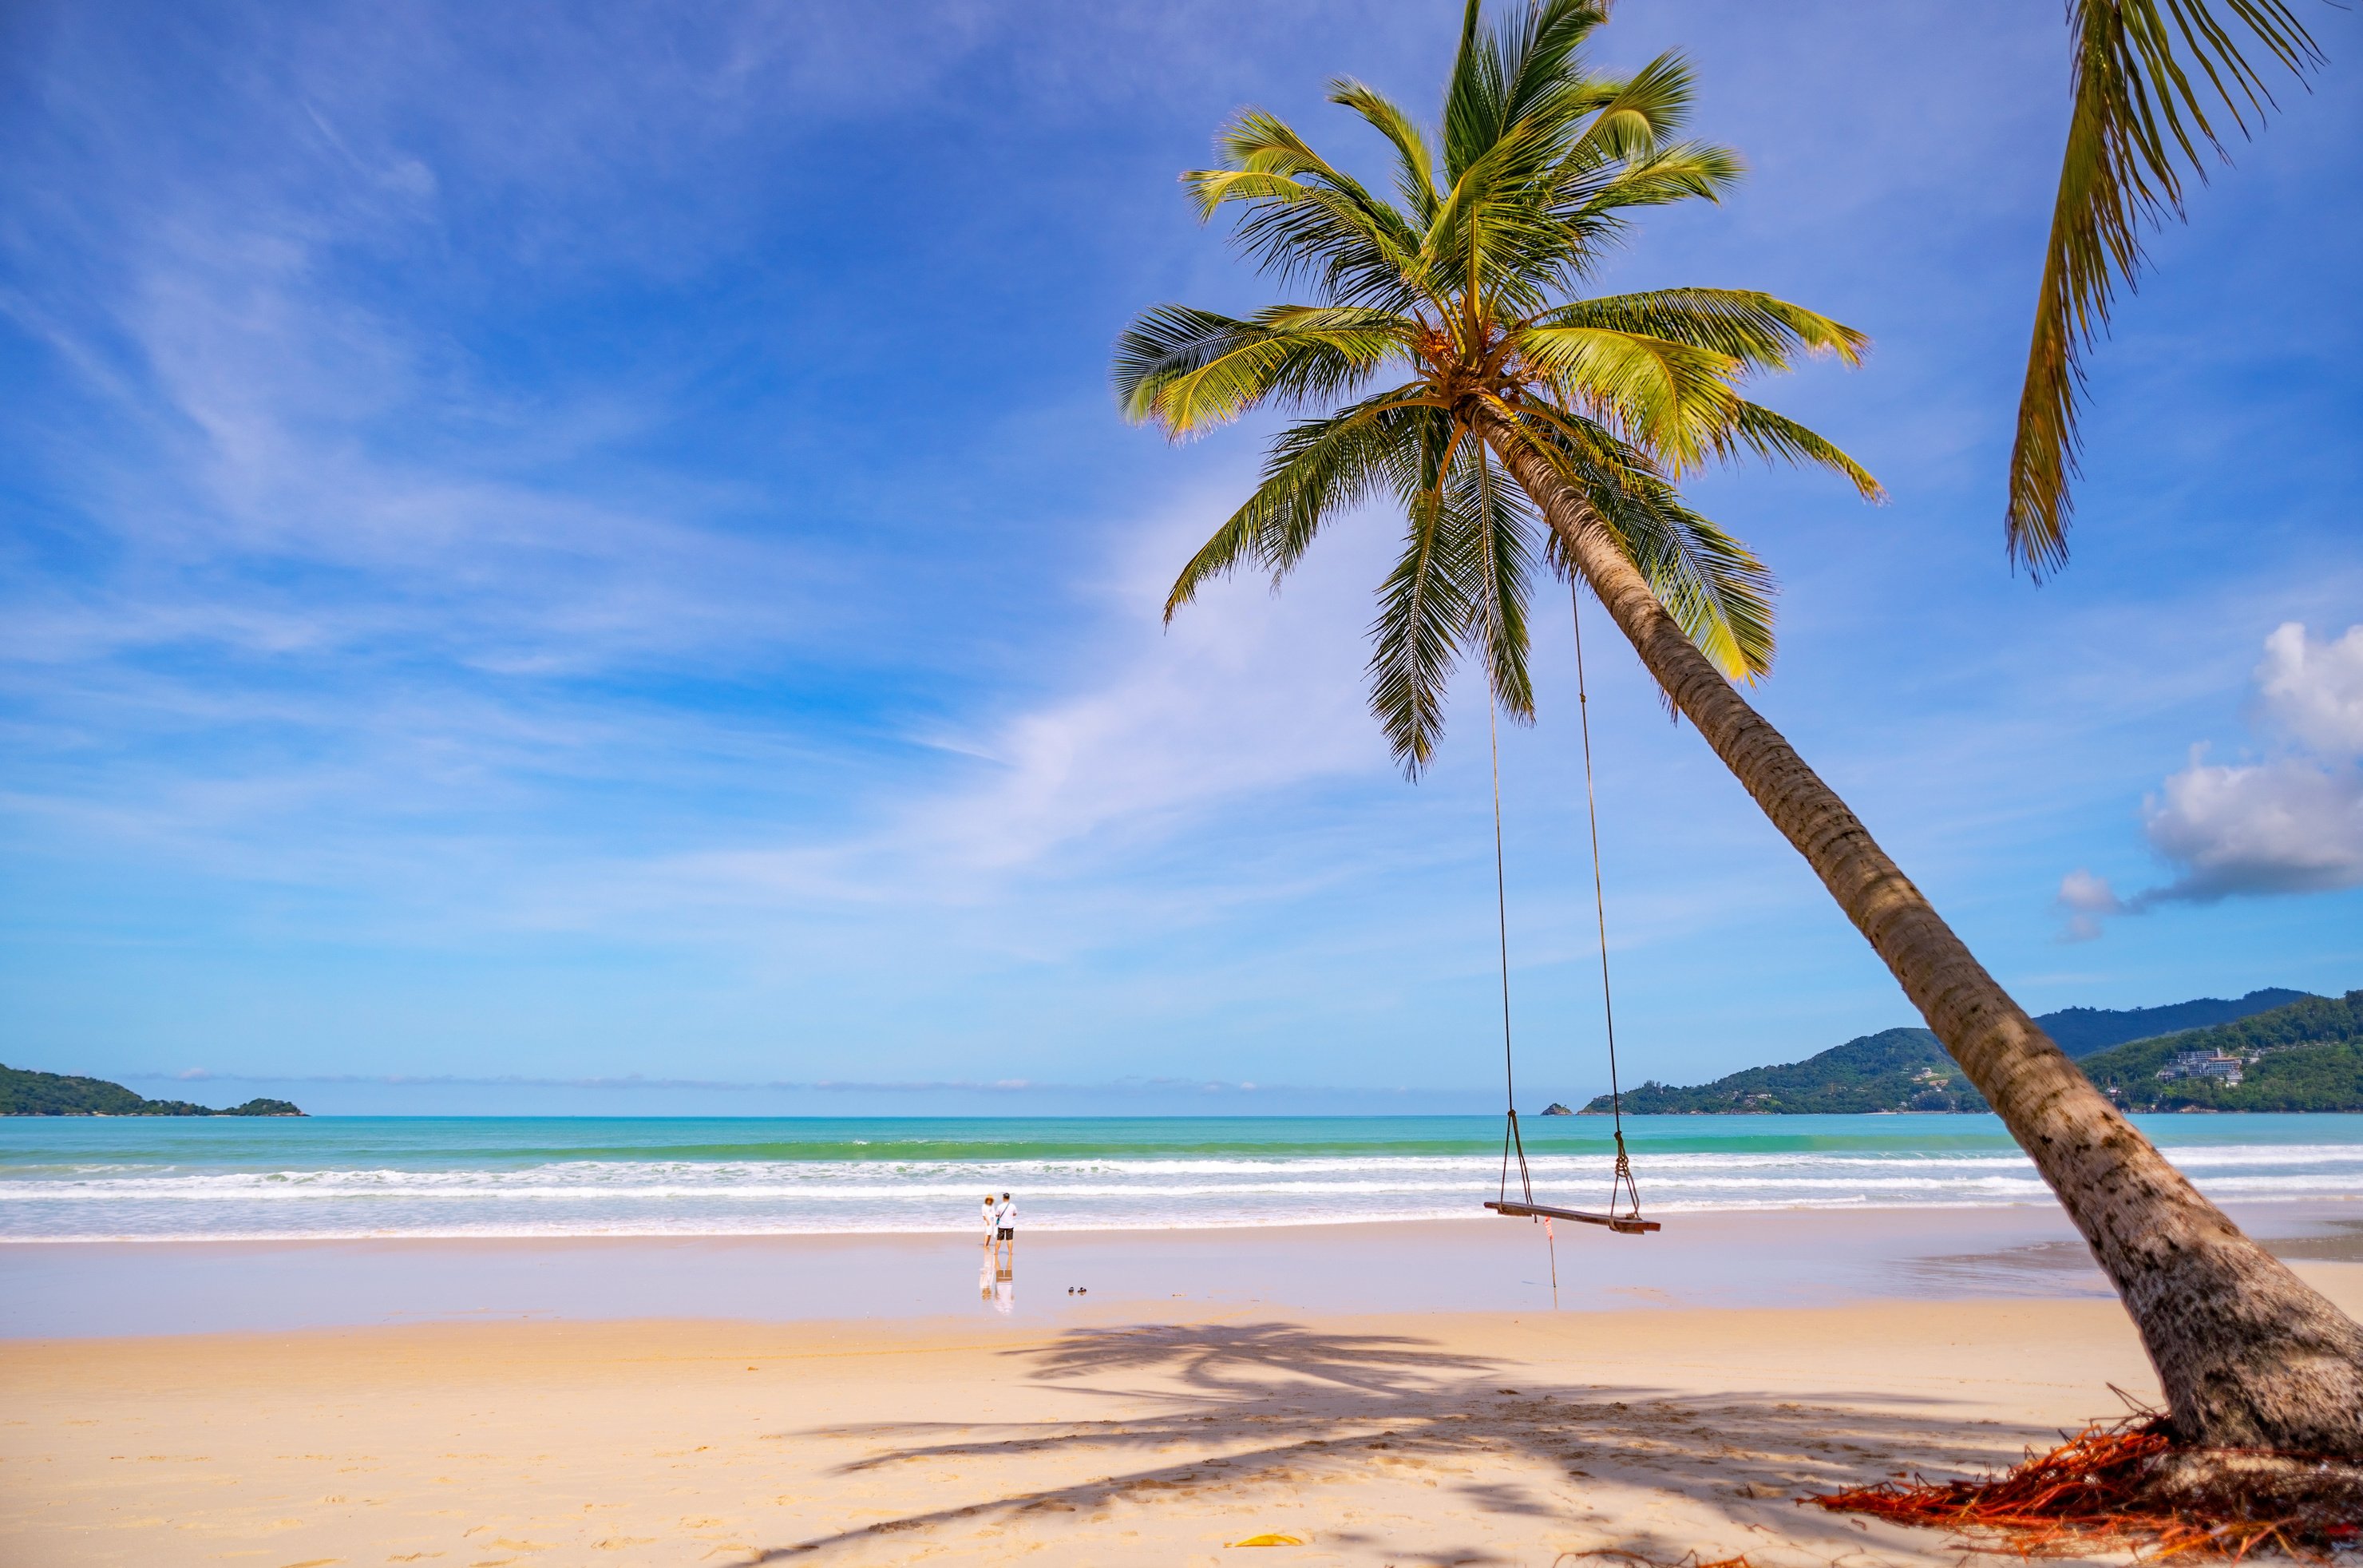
(996, 1279)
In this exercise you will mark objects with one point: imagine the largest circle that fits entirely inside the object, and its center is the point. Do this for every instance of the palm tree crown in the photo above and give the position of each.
(1467, 284)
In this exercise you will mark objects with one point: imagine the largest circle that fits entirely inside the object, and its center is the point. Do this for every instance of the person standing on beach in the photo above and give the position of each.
(992, 1229)
(1001, 1235)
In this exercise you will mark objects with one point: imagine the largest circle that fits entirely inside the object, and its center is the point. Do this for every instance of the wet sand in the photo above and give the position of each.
(1772, 1258)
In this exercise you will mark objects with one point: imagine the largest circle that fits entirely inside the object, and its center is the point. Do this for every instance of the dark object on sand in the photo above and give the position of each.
(2127, 1483)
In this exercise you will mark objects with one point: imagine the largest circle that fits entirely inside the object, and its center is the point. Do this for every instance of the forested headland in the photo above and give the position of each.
(27, 1093)
(2290, 1051)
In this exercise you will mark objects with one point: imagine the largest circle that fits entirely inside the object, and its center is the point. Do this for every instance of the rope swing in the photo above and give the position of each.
(1514, 1144)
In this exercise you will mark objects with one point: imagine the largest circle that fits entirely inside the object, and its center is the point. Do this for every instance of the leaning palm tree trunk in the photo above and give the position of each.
(2249, 1355)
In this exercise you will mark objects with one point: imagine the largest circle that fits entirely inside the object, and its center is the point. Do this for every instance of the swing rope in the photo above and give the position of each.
(1511, 1136)
(1513, 1144)
(1623, 1179)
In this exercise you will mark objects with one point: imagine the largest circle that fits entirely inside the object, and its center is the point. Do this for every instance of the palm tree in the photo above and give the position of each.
(1517, 401)
(2139, 114)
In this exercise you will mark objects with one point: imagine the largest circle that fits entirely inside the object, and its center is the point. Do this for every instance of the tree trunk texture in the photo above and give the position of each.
(2249, 1355)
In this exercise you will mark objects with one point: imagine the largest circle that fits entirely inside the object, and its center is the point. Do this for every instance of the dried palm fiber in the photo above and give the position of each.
(2127, 1483)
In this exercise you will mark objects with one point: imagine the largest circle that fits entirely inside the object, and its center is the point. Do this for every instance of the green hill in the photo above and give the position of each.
(2080, 1032)
(25, 1093)
(1893, 1070)
(2307, 1056)
(1906, 1070)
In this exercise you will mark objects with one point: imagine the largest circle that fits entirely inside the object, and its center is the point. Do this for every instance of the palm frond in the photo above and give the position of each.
(1753, 327)
(1674, 172)
(1670, 396)
(1715, 588)
(1499, 245)
(1316, 469)
(2139, 116)
(1499, 524)
(1527, 71)
(1187, 370)
(1425, 607)
(1778, 439)
(1307, 218)
(1414, 162)
(1643, 111)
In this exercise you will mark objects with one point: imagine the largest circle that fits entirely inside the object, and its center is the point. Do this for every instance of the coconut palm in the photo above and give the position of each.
(1450, 364)
(2140, 113)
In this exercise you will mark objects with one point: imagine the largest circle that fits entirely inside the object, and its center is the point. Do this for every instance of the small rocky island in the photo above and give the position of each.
(26, 1092)
(1555, 1109)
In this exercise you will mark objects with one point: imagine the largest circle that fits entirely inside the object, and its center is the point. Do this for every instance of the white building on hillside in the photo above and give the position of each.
(2222, 1066)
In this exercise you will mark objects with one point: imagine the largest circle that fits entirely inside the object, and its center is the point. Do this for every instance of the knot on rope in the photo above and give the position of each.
(1622, 1181)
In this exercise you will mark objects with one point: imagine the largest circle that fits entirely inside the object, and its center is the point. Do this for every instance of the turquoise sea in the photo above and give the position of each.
(92, 1179)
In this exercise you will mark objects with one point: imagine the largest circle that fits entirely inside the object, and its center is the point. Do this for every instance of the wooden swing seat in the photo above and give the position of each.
(1625, 1224)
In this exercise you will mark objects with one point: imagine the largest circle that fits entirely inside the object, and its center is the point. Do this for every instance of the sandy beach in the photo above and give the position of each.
(1093, 1431)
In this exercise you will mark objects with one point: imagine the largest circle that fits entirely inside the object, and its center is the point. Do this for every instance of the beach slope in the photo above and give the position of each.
(1438, 1438)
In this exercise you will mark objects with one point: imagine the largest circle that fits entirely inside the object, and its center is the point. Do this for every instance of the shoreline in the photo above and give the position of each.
(2264, 1208)
(1705, 1260)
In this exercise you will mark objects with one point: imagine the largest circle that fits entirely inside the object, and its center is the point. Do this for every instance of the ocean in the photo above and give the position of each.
(79, 1179)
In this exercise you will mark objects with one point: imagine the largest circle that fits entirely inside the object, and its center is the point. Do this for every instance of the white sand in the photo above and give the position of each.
(1409, 1439)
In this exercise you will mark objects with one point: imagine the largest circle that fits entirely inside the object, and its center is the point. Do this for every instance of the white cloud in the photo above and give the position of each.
(2313, 691)
(2294, 825)
(2086, 897)
(2290, 823)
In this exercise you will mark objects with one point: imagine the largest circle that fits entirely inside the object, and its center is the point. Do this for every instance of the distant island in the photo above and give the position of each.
(2273, 1049)
(24, 1093)
(1555, 1109)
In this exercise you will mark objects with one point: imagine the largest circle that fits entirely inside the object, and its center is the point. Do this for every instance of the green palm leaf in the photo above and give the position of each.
(1414, 162)
(2139, 116)
(1761, 332)
(1426, 606)
(1317, 469)
(1502, 525)
(1190, 369)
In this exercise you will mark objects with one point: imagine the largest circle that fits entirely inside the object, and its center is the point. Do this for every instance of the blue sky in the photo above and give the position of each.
(546, 545)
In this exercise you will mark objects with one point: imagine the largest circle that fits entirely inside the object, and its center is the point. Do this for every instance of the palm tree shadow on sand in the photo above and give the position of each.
(1259, 1412)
